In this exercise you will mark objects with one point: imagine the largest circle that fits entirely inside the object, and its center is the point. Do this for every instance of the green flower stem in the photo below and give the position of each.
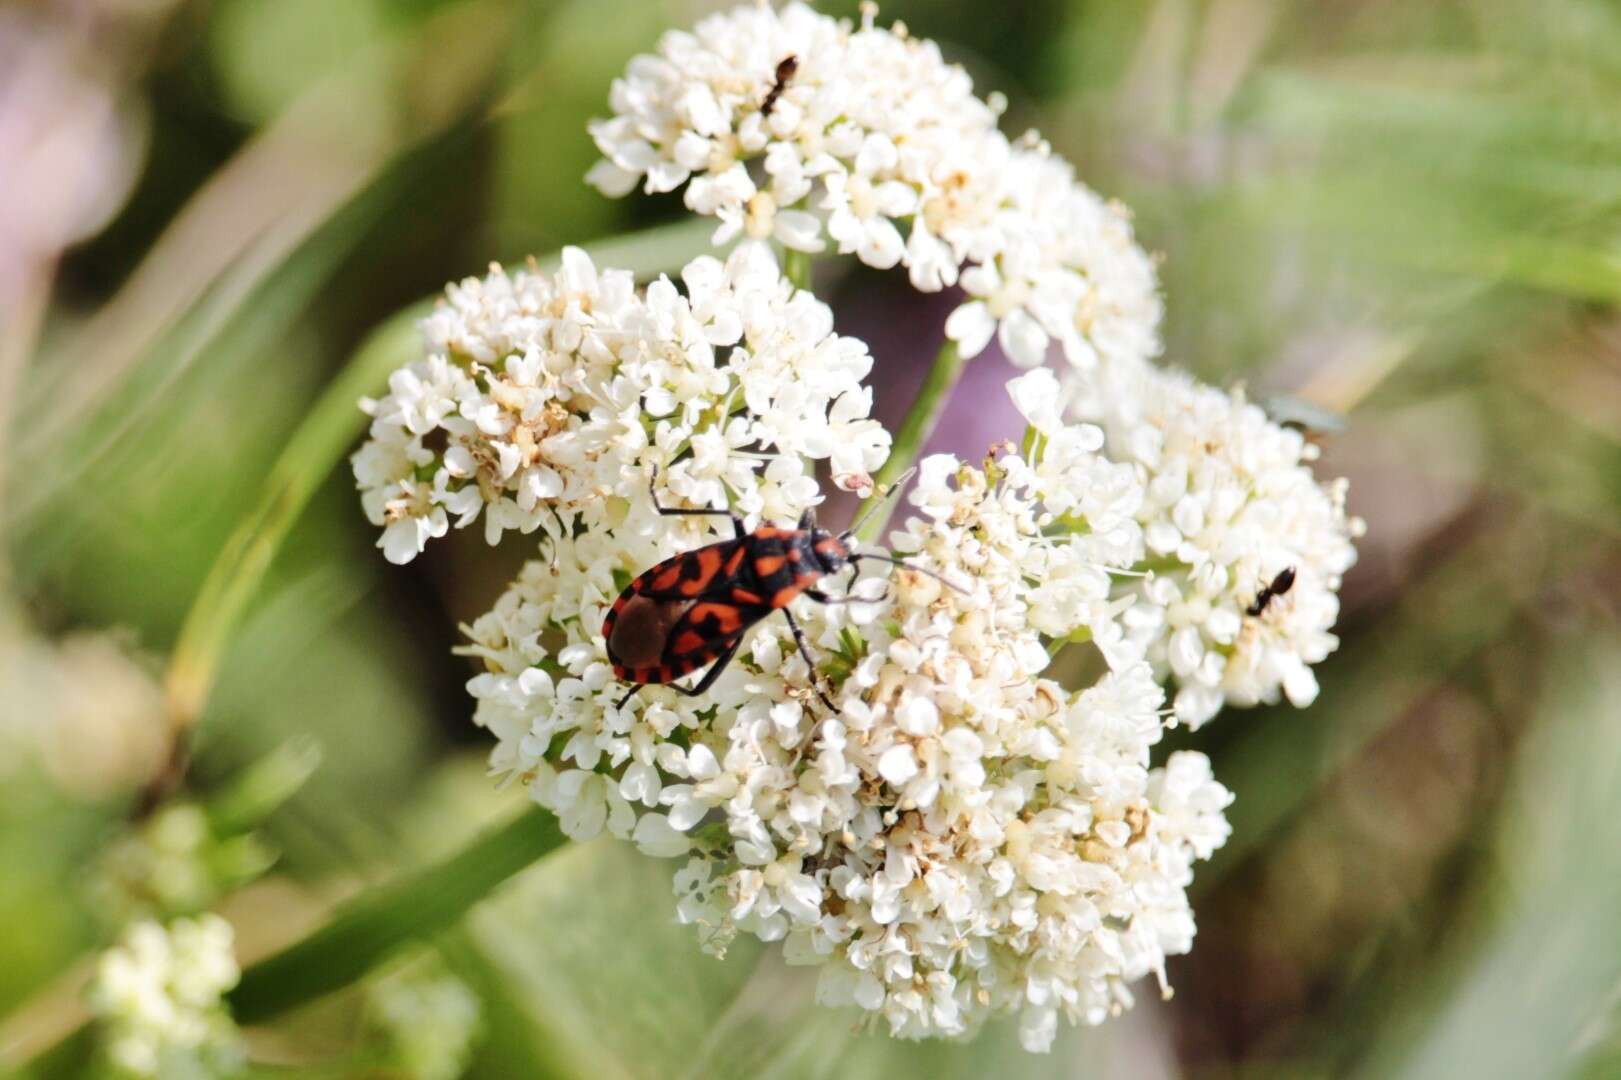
(373, 925)
(1078, 636)
(796, 267)
(915, 431)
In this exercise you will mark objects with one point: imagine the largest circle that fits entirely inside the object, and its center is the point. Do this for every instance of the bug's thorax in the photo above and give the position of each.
(782, 563)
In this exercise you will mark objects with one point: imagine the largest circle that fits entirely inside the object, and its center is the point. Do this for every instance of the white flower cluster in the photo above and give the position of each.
(961, 837)
(792, 125)
(157, 996)
(85, 709)
(920, 809)
(426, 1019)
(543, 401)
(1230, 504)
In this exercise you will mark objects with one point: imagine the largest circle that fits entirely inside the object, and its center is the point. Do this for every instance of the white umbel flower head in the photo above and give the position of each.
(1230, 504)
(425, 1018)
(1066, 270)
(544, 401)
(788, 124)
(960, 837)
(158, 998)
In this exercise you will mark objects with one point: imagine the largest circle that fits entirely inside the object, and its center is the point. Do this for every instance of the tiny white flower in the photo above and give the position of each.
(157, 997)
(898, 764)
(918, 716)
(654, 835)
(425, 1018)
(971, 326)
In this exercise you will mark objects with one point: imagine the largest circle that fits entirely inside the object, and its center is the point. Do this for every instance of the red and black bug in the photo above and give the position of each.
(693, 609)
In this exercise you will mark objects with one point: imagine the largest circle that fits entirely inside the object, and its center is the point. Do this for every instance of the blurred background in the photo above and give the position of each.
(1405, 212)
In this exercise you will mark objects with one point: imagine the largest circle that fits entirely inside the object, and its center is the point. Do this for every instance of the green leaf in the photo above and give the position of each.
(1536, 992)
(371, 927)
(615, 987)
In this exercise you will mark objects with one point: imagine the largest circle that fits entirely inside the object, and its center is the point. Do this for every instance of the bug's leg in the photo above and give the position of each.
(622, 702)
(712, 674)
(804, 650)
(673, 511)
(822, 598)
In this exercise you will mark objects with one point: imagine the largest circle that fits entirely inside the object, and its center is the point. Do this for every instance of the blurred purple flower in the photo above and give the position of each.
(71, 142)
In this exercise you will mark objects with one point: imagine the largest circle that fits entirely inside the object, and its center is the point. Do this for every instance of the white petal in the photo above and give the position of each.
(701, 763)
(799, 229)
(898, 764)
(611, 180)
(918, 716)
(881, 245)
(1023, 339)
(1035, 394)
(971, 327)
(655, 836)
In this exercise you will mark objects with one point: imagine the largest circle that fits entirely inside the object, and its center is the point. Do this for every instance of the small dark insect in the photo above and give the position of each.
(1303, 416)
(692, 609)
(785, 71)
(1280, 585)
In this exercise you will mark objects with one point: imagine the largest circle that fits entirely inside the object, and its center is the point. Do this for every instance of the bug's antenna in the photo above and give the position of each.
(894, 489)
(941, 578)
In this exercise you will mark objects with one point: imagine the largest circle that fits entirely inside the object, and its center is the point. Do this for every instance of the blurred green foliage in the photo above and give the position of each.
(1407, 212)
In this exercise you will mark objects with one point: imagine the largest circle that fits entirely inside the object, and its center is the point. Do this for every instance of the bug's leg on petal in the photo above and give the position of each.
(622, 702)
(804, 650)
(712, 674)
(822, 598)
(673, 511)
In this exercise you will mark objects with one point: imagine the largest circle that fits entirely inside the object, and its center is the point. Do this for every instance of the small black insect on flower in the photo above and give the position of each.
(1279, 585)
(693, 609)
(785, 71)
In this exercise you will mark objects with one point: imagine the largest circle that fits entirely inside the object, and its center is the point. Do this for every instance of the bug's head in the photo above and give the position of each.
(828, 551)
(833, 552)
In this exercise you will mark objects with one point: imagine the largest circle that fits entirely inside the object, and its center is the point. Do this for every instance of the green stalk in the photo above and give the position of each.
(796, 267)
(915, 431)
(377, 922)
